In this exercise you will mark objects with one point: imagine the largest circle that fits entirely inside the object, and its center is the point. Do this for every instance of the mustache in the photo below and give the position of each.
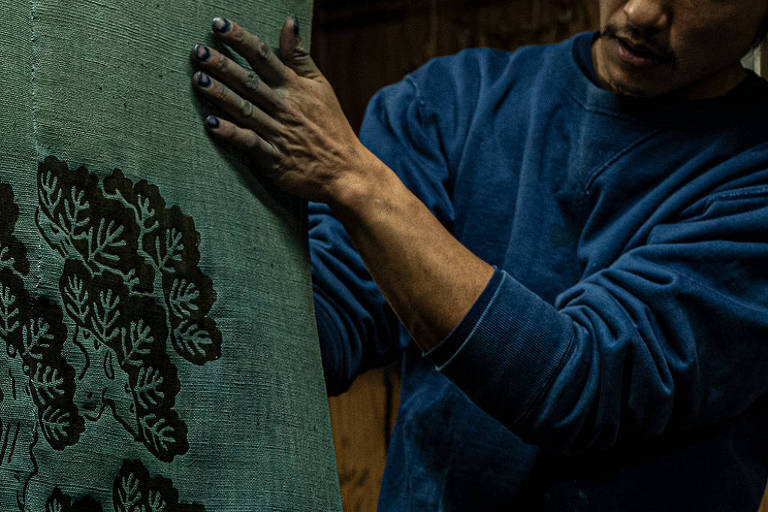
(639, 37)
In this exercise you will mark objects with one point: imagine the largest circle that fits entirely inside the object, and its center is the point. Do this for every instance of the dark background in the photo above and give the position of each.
(364, 45)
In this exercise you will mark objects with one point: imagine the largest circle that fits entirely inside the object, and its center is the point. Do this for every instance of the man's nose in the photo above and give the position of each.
(649, 14)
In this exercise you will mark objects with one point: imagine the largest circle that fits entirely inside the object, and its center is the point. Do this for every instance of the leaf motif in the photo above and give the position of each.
(182, 297)
(145, 213)
(105, 316)
(36, 339)
(135, 491)
(48, 192)
(156, 501)
(49, 196)
(173, 250)
(58, 502)
(52, 234)
(54, 505)
(74, 208)
(195, 343)
(157, 432)
(163, 438)
(47, 384)
(189, 297)
(6, 259)
(137, 343)
(148, 389)
(9, 311)
(106, 238)
(76, 298)
(55, 424)
(129, 495)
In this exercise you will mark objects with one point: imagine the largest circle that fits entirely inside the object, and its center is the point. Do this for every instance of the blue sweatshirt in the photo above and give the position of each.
(618, 358)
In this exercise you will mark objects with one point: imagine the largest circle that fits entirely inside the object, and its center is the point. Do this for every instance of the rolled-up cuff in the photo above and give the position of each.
(441, 353)
(508, 348)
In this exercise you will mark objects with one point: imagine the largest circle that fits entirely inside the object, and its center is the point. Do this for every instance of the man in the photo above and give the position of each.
(571, 240)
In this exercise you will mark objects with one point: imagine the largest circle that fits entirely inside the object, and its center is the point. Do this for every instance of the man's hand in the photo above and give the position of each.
(285, 114)
(287, 119)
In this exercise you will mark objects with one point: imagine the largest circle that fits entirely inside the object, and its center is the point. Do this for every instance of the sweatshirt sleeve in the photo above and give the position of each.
(673, 335)
(357, 328)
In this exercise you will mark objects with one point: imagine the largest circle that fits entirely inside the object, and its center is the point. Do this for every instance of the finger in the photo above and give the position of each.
(258, 54)
(292, 50)
(244, 82)
(242, 138)
(243, 111)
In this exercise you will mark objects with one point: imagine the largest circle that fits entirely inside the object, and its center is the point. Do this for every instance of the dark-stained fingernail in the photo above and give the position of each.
(221, 25)
(203, 80)
(212, 122)
(202, 52)
(295, 26)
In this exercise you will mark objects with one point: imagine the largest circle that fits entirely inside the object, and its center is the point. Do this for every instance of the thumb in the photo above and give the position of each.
(292, 51)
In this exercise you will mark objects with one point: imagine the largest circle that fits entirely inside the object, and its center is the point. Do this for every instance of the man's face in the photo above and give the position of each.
(690, 48)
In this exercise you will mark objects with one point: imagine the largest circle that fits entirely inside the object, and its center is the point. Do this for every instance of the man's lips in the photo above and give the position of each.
(637, 55)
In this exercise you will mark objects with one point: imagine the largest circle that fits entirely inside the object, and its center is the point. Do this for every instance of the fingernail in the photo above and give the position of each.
(221, 25)
(202, 52)
(212, 122)
(295, 26)
(203, 80)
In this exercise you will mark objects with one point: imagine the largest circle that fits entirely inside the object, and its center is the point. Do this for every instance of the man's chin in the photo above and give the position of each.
(635, 90)
(621, 78)
(638, 87)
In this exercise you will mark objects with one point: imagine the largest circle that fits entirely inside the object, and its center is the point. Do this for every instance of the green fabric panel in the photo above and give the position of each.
(160, 350)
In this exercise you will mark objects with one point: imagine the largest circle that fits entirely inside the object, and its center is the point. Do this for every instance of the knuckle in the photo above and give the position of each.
(262, 50)
(237, 34)
(276, 102)
(290, 78)
(218, 93)
(251, 83)
(250, 142)
(247, 110)
(221, 63)
(291, 112)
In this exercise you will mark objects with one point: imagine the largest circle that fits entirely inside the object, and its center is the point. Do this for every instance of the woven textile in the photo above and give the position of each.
(159, 346)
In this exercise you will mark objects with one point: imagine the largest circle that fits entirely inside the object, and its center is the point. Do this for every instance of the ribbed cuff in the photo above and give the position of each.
(441, 353)
(507, 350)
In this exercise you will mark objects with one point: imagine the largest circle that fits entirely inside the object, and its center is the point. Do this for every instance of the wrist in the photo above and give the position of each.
(367, 185)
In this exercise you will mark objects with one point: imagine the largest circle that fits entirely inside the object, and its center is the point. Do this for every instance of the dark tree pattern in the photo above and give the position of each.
(33, 334)
(33, 331)
(133, 491)
(122, 247)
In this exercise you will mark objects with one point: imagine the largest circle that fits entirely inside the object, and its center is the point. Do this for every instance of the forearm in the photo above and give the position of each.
(428, 277)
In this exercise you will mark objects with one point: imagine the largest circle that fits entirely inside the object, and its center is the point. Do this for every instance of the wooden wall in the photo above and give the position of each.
(362, 46)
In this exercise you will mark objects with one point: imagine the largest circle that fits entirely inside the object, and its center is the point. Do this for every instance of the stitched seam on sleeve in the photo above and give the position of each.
(752, 191)
(563, 358)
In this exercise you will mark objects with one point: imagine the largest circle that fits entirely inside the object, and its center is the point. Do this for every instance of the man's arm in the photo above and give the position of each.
(291, 124)
(655, 342)
(427, 276)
